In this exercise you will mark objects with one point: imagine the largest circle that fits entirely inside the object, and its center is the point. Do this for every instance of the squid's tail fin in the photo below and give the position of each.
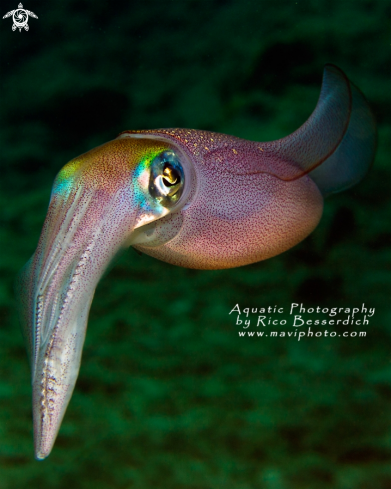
(352, 158)
(335, 146)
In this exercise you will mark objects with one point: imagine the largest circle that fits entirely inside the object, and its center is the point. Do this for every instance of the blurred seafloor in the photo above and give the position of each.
(168, 395)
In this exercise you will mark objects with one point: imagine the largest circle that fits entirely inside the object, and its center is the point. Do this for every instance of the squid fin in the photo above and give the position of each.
(337, 144)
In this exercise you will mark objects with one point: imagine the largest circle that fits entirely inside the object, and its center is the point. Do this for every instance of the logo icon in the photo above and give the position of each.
(20, 17)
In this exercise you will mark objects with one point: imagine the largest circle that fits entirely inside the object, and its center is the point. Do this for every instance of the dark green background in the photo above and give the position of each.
(168, 396)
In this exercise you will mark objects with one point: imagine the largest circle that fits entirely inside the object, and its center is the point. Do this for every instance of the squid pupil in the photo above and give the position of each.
(171, 176)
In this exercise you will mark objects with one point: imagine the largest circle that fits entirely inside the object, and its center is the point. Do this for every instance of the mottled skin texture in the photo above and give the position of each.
(238, 218)
(192, 198)
(91, 211)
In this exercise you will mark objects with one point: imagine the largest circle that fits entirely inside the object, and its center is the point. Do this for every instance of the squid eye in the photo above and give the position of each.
(166, 179)
(171, 176)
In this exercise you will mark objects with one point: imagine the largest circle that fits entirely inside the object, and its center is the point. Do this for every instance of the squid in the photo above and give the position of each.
(191, 198)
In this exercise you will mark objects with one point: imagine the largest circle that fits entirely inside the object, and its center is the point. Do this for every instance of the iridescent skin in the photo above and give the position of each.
(242, 202)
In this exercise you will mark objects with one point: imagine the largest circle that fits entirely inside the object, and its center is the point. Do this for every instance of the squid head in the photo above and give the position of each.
(191, 198)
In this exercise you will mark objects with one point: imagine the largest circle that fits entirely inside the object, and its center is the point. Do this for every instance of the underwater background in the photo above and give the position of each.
(169, 396)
